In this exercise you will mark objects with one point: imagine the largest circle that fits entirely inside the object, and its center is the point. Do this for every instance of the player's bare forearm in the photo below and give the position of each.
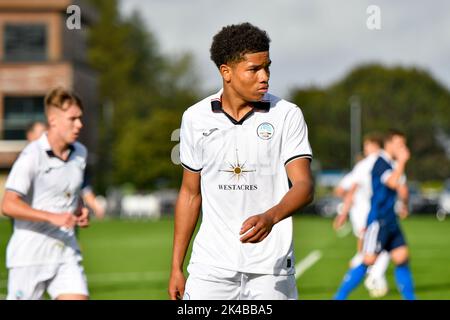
(187, 211)
(300, 195)
(257, 228)
(348, 199)
(403, 193)
(14, 207)
(90, 199)
(301, 192)
(394, 180)
(186, 217)
(342, 215)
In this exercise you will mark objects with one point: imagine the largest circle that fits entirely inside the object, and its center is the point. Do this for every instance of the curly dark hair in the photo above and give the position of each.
(232, 42)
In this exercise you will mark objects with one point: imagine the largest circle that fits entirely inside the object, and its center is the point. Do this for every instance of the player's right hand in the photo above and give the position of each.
(83, 218)
(403, 154)
(65, 220)
(176, 285)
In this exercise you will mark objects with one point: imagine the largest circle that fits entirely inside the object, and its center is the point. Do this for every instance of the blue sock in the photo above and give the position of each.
(351, 280)
(405, 282)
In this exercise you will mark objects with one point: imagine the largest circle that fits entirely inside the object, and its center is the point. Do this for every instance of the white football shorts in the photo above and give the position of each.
(31, 282)
(212, 283)
(359, 223)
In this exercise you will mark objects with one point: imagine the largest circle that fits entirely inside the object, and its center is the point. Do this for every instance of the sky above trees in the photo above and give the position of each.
(313, 42)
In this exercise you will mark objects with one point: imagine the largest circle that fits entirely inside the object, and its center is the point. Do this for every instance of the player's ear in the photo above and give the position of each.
(225, 71)
(51, 117)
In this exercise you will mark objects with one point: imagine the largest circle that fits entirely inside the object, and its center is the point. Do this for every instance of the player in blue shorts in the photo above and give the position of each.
(383, 229)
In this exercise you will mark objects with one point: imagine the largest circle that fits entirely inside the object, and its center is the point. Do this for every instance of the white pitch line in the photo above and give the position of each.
(307, 263)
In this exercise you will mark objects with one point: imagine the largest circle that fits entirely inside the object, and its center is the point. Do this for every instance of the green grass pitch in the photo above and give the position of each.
(127, 259)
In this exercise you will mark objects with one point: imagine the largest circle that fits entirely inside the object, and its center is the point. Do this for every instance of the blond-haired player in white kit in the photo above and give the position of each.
(34, 132)
(239, 147)
(42, 196)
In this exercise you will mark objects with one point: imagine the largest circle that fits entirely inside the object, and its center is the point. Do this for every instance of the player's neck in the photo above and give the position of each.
(374, 152)
(389, 154)
(234, 105)
(59, 146)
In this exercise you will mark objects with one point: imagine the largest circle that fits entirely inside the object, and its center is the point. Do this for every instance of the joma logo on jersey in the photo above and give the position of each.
(207, 134)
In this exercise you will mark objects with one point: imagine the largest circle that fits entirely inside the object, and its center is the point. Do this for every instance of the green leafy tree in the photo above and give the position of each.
(405, 98)
(144, 94)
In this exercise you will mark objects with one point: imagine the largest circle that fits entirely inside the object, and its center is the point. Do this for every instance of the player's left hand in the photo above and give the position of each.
(83, 218)
(256, 228)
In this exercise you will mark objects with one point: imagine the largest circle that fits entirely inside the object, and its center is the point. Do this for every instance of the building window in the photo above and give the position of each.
(18, 113)
(25, 42)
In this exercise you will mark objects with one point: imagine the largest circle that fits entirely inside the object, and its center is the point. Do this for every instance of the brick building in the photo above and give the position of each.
(38, 52)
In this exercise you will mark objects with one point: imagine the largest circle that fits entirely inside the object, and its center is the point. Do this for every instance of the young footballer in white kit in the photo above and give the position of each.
(42, 196)
(34, 132)
(240, 148)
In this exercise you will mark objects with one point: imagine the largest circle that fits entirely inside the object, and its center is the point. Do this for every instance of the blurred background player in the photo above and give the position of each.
(356, 191)
(383, 230)
(42, 196)
(33, 132)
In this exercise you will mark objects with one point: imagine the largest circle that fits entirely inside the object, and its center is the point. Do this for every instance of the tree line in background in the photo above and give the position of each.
(408, 99)
(144, 94)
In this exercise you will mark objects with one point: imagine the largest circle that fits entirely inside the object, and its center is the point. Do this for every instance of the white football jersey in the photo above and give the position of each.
(50, 184)
(362, 176)
(346, 182)
(242, 166)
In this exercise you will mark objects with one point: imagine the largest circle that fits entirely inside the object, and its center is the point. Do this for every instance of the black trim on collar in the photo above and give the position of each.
(260, 106)
(51, 154)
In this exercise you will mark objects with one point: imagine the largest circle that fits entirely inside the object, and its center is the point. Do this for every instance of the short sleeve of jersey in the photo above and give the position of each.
(387, 174)
(190, 155)
(295, 135)
(22, 173)
(359, 172)
(347, 181)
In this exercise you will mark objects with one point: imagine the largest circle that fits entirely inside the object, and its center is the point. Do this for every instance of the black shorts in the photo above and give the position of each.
(379, 237)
